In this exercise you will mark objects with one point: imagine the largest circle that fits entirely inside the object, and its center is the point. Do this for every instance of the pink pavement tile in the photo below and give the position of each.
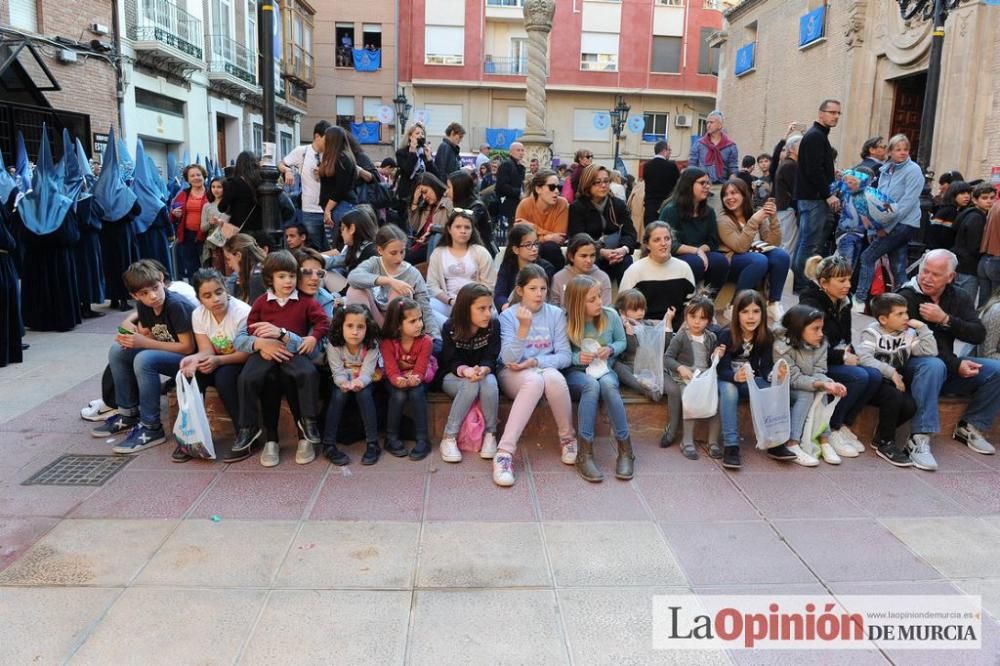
(896, 492)
(853, 550)
(686, 498)
(781, 495)
(267, 495)
(22, 449)
(651, 459)
(736, 553)
(158, 459)
(54, 416)
(145, 494)
(977, 492)
(18, 535)
(368, 495)
(474, 497)
(953, 456)
(53, 501)
(566, 496)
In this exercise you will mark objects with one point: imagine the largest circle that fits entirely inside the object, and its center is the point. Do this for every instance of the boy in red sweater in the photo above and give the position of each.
(275, 314)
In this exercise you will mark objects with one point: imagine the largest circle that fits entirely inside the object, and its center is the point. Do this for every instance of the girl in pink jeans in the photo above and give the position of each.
(534, 348)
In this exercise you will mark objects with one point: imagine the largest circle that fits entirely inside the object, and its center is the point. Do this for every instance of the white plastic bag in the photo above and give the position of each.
(599, 366)
(648, 364)
(769, 409)
(191, 429)
(700, 399)
(817, 423)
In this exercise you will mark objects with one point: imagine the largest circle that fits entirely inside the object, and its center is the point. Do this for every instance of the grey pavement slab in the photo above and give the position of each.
(486, 626)
(230, 553)
(457, 554)
(958, 547)
(989, 590)
(42, 625)
(89, 552)
(610, 554)
(373, 555)
(164, 626)
(330, 627)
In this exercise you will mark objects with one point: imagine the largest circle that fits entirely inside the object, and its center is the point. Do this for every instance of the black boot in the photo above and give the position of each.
(420, 450)
(372, 453)
(585, 464)
(394, 447)
(625, 466)
(310, 431)
(245, 438)
(668, 437)
(335, 455)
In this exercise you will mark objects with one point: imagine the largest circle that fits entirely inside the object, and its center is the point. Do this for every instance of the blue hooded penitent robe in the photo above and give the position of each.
(11, 328)
(79, 181)
(152, 224)
(115, 205)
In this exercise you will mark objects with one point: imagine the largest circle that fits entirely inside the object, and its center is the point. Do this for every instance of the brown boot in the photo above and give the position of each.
(625, 466)
(585, 464)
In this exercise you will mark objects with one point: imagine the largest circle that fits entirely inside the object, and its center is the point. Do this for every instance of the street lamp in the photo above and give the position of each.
(938, 11)
(402, 113)
(619, 116)
(267, 191)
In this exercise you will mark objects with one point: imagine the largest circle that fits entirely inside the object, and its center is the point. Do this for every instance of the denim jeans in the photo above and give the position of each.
(801, 403)
(849, 245)
(730, 394)
(313, 223)
(416, 397)
(989, 277)
(137, 380)
(189, 254)
(588, 392)
(862, 383)
(339, 211)
(366, 405)
(789, 223)
(463, 393)
(717, 272)
(894, 245)
(970, 285)
(928, 378)
(812, 222)
(749, 268)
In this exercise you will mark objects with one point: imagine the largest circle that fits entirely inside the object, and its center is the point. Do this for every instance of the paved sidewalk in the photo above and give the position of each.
(429, 562)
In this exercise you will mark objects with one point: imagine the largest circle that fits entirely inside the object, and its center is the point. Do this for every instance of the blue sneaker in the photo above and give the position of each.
(114, 425)
(140, 439)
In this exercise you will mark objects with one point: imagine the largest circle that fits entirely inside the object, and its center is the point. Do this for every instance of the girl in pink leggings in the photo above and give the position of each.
(534, 348)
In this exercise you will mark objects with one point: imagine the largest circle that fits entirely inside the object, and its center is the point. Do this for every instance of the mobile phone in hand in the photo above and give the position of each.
(125, 331)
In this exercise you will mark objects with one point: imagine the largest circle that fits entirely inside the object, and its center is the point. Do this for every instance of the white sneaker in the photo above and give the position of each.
(775, 311)
(306, 453)
(503, 470)
(843, 445)
(97, 411)
(920, 452)
(449, 450)
(489, 448)
(827, 453)
(569, 452)
(801, 457)
(271, 455)
(852, 439)
(857, 307)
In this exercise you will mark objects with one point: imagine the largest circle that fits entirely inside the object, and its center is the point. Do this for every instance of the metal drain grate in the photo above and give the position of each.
(78, 470)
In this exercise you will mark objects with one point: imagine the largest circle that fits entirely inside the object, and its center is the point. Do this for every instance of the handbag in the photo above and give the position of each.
(191, 429)
(470, 435)
(375, 194)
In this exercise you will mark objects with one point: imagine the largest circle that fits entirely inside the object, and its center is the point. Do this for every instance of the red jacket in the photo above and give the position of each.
(181, 199)
(398, 362)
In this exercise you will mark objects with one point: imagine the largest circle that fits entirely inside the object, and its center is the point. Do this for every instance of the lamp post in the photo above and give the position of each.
(267, 191)
(936, 10)
(619, 116)
(402, 113)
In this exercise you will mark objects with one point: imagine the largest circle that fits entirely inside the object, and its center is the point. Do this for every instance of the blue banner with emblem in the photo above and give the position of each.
(744, 59)
(366, 132)
(367, 61)
(811, 26)
(501, 138)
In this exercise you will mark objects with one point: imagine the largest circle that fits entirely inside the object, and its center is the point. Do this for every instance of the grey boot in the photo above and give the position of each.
(625, 467)
(585, 464)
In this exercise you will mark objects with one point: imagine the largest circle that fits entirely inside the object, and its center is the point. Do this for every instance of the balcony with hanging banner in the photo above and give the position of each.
(165, 36)
(501, 137)
(231, 66)
(367, 132)
(367, 60)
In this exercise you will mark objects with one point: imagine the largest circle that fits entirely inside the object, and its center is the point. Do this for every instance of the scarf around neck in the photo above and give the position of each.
(714, 156)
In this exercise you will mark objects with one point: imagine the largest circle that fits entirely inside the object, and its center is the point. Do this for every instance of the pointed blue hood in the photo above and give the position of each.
(73, 175)
(110, 193)
(147, 192)
(45, 207)
(81, 158)
(22, 176)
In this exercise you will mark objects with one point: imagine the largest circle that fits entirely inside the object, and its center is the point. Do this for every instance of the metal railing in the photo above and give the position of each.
(494, 65)
(229, 56)
(163, 21)
(300, 64)
(505, 3)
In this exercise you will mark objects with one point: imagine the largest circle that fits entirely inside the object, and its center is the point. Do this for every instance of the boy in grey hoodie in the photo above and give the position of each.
(887, 345)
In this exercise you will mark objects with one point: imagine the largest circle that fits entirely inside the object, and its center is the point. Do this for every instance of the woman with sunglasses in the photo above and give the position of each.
(604, 218)
(548, 213)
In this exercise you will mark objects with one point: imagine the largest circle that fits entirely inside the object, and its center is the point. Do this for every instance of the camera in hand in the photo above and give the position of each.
(421, 141)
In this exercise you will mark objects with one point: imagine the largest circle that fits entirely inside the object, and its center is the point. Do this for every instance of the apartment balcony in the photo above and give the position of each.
(165, 36)
(505, 66)
(231, 67)
(505, 10)
(299, 66)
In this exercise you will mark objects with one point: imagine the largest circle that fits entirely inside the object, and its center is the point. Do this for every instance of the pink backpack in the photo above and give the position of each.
(470, 435)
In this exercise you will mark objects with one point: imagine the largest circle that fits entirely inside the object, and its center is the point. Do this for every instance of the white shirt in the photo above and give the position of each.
(185, 290)
(294, 296)
(306, 160)
(458, 272)
(221, 333)
(481, 160)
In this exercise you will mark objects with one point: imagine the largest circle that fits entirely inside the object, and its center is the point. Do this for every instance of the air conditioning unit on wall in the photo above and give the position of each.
(682, 121)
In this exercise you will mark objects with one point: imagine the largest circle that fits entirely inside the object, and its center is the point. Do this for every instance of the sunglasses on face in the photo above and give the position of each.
(309, 272)
(601, 181)
(529, 246)
(464, 211)
(553, 187)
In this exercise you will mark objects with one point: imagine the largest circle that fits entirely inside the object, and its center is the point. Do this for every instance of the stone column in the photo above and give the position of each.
(538, 23)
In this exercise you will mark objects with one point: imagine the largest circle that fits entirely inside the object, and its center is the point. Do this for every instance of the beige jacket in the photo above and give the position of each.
(734, 239)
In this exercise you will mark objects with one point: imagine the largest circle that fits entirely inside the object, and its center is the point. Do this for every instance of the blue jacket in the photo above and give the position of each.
(903, 184)
(730, 156)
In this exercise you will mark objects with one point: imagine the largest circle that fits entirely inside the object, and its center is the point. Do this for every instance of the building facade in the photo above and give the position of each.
(353, 90)
(781, 59)
(467, 61)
